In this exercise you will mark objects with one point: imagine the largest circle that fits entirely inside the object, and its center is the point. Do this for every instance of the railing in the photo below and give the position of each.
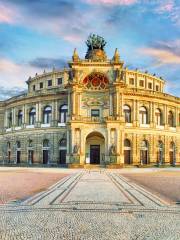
(88, 119)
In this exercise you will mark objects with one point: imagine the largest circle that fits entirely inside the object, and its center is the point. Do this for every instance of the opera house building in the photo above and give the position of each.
(95, 111)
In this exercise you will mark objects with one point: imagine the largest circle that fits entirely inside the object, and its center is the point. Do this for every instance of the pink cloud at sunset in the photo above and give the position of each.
(8, 14)
(112, 2)
(162, 56)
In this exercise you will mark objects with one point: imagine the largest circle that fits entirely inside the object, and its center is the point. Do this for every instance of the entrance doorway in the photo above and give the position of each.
(18, 160)
(95, 148)
(62, 156)
(144, 148)
(62, 151)
(95, 154)
(127, 151)
(45, 156)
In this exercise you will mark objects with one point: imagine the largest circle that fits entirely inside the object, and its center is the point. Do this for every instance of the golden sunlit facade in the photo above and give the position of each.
(94, 112)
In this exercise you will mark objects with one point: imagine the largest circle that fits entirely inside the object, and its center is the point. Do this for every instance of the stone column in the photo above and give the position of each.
(6, 119)
(40, 113)
(14, 117)
(137, 113)
(117, 103)
(69, 102)
(52, 113)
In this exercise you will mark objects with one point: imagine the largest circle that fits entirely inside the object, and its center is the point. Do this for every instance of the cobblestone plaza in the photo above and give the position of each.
(91, 204)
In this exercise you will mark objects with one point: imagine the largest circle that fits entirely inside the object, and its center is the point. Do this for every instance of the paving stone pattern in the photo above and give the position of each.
(91, 205)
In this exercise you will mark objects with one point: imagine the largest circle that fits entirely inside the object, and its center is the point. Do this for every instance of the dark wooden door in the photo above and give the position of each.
(18, 156)
(95, 154)
(171, 157)
(144, 156)
(45, 156)
(127, 157)
(62, 156)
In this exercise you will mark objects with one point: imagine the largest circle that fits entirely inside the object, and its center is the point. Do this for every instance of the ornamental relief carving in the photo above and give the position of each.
(96, 81)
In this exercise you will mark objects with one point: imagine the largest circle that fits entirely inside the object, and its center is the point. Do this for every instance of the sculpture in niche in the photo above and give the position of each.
(112, 150)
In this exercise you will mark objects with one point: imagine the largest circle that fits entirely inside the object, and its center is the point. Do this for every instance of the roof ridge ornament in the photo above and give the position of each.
(116, 56)
(75, 56)
(95, 52)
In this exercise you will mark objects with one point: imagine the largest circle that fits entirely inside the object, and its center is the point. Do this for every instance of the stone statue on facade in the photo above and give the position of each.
(76, 149)
(112, 150)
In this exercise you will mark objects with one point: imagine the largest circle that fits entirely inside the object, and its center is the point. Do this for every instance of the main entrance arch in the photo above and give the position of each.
(95, 148)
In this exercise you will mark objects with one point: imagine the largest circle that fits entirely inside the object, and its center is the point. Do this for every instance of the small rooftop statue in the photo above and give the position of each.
(95, 42)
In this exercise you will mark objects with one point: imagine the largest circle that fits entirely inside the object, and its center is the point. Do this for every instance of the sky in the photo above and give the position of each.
(42, 34)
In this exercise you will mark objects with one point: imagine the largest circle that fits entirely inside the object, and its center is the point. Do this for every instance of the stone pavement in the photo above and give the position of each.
(91, 205)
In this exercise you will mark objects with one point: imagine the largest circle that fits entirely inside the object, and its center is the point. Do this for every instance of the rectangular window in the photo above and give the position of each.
(157, 88)
(150, 85)
(34, 87)
(59, 81)
(49, 83)
(131, 81)
(95, 113)
(41, 85)
(141, 83)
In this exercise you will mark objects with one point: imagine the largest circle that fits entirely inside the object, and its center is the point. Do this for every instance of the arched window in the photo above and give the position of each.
(20, 117)
(46, 143)
(143, 116)
(30, 143)
(63, 113)
(127, 113)
(170, 119)
(18, 144)
(158, 116)
(10, 120)
(47, 114)
(32, 116)
(62, 142)
(127, 143)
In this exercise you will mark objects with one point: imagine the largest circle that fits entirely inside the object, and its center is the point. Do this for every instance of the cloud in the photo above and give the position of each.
(61, 18)
(169, 9)
(11, 92)
(165, 6)
(14, 74)
(163, 52)
(8, 15)
(49, 63)
(111, 2)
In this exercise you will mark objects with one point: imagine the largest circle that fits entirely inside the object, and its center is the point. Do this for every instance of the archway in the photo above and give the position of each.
(127, 151)
(62, 151)
(46, 151)
(95, 148)
(144, 149)
(172, 153)
(18, 152)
